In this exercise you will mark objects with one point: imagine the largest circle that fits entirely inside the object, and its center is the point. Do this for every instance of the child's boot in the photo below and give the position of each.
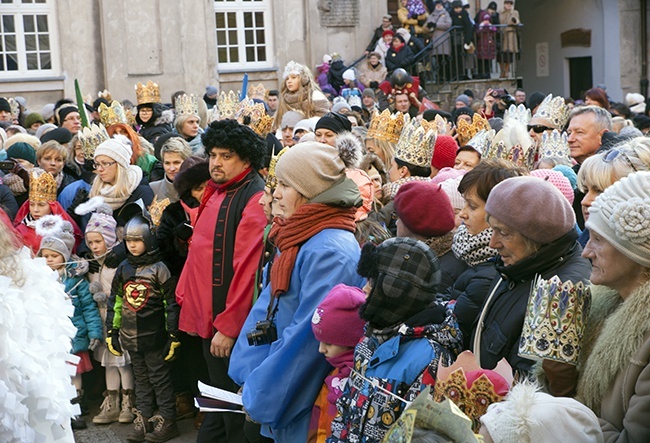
(110, 411)
(128, 404)
(141, 426)
(164, 430)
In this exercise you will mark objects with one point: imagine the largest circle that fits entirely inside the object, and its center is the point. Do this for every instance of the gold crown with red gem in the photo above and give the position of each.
(387, 126)
(147, 93)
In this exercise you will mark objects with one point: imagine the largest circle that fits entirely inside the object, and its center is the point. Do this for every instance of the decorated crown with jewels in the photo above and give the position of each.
(157, 208)
(271, 179)
(514, 144)
(555, 145)
(258, 92)
(518, 112)
(42, 187)
(254, 115)
(105, 95)
(554, 110)
(416, 143)
(228, 104)
(187, 104)
(90, 138)
(441, 124)
(481, 141)
(112, 115)
(387, 126)
(148, 93)
(466, 130)
(555, 320)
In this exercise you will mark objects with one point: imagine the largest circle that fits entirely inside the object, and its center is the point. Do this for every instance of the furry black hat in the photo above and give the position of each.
(229, 134)
(192, 176)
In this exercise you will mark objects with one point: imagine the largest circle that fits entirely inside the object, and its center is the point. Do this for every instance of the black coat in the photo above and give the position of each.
(401, 59)
(451, 268)
(172, 248)
(465, 34)
(503, 322)
(8, 202)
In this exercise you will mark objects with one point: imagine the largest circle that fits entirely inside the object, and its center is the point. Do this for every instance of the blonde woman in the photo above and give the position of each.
(51, 156)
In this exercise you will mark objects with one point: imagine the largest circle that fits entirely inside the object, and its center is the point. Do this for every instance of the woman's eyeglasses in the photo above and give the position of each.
(538, 129)
(103, 165)
(613, 153)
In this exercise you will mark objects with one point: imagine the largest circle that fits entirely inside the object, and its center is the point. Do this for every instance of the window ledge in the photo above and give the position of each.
(245, 70)
(32, 79)
(33, 84)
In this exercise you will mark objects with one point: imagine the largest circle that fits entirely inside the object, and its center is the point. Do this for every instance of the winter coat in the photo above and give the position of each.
(411, 23)
(618, 361)
(486, 42)
(86, 316)
(163, 189)
(399, 59)
(66, 196)
(376, 36)
(282, 380)
(65, 181)
(160, 123)
(368, 73)
(335, 74)
(382, 49)
(451, 269)
(402, 365)
(8, 201)
(465, 33)
(498, 328)
(172, 248)
(509, 37)
(442, 20)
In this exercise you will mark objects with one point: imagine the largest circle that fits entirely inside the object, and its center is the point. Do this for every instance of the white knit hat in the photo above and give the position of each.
(528, 416)
(621, 215)
(117, 149)
(57, 235)
(348, 74)
(636, 102)
(450, 186)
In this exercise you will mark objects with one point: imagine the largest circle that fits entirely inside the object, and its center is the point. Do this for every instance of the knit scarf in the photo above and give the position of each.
(622, 335)
(390, 189)
(473, 249)
(289, 235)
(337, 379)
(134, 176)
(440, 245)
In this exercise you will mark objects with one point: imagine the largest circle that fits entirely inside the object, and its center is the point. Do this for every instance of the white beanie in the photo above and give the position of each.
(348, 74)
(636, 102)
(450, 186)
(528, 416)
(621, 215)
(116, 149)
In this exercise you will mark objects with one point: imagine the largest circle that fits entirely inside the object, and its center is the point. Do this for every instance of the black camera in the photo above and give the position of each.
(507, 100)
(263, 334)
(7, 166)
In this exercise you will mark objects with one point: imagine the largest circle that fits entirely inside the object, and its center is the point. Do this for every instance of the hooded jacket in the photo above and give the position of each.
(160, 122)
(86, 316)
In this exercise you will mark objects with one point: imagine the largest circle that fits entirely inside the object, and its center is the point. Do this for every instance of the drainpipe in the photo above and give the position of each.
(644, 48)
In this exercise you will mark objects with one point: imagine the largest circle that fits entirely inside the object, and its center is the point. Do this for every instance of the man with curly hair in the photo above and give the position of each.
(215, 289)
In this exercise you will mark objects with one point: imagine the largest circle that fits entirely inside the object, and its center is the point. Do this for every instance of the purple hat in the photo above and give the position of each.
(336, 320)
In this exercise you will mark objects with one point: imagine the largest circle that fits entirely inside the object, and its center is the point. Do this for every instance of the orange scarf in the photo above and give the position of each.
(289, 235)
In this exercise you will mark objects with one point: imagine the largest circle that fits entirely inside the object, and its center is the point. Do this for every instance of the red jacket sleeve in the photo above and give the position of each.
(248, 249)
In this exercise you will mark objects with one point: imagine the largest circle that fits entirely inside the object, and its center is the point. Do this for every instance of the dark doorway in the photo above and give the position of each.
(580, 76)
(393, 6)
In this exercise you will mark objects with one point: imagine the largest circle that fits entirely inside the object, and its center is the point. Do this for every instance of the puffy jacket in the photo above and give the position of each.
(86, 316)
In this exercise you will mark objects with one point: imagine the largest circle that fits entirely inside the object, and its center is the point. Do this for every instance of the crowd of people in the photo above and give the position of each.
(344, 270)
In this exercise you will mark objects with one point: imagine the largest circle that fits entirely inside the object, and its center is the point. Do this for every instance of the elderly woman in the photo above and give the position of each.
(278, 364)
(538, 240)
(173, 153)
(51, 157)
(616, 375)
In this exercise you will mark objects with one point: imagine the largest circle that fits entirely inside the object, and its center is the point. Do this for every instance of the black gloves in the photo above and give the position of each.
(184, 231)
(116, 256)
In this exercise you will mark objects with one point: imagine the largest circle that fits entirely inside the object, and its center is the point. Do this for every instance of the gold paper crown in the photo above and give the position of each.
(416, 143)
(149, 93)
(554, 110)
(254, 115)
(481, 142)
(15, 107)
(227, 104)
(387, 126)
(113, 114)
(555, 145)
(187, 104)
(555, 320)
(519, 113)
(42, 187)
(271, 179)
(466, 131)
(90, 138)
(105, 95)
(473, 400)
(258, 92)
(513, 143)
(157, 208)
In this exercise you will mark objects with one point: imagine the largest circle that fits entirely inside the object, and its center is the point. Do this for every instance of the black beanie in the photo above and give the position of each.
(335, 122)
(4, 105)
(61, 135)
(63, 111)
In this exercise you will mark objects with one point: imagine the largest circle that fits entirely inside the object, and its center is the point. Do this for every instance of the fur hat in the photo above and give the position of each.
(550, 215)
(101, 220)
(336, 320)
(117, 148)
(57, 235)
(311, 168)
(621, 214)
(416, 201)
(405, 274)
(527, 415)
(193, 172)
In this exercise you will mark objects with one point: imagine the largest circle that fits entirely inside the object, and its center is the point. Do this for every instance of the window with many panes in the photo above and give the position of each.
(243, 32)
(26, 38)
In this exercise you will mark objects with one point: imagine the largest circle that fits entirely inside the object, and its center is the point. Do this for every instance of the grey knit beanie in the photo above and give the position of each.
(57, 235)
(621, 215)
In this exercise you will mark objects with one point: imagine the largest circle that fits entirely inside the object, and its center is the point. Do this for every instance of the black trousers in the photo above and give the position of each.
(153, 383)
(220, 426)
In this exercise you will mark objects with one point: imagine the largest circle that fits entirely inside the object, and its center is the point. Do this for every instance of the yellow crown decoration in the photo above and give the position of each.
(105, 95)
(554, 110)
(90, 138)
(514, 144)
(271, 179)
(187, 104)
(466, 130)
(481, 142)
(112, 115)
(416, 143)
(555, 320)
(387, 126)
(227, 104)
(148, 93)
(15, 107)
(473, 400)
(519, 113)
(254, 116)
(157, 208)
(258, 92)
(555, 145)
(42, 186)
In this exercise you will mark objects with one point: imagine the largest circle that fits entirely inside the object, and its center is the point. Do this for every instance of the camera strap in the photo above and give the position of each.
(272, 309)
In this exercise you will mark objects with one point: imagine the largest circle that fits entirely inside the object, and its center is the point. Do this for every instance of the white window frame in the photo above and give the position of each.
(239, 7)
(17, 8)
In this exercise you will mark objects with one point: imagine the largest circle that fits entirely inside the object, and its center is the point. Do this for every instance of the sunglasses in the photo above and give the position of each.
(613, 153)
(538, 129)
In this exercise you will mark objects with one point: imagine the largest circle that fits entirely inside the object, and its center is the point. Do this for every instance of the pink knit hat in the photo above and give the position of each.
(557, 179)
(444, 153)
(336, 320)
(447, 173)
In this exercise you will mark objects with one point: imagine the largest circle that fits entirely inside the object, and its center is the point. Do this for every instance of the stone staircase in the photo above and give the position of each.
(445, 94)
